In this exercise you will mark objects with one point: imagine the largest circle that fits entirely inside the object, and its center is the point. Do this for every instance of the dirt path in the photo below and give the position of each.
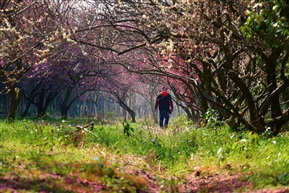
(218, 183)
(197, 183)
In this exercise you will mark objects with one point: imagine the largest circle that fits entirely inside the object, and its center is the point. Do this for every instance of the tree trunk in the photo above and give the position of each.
(64, 112)
(152, 106)
(26, 110)
(15, 97)
(129, 110)
(65, 104)
(96, 103)
(132, 114)
(272, 86)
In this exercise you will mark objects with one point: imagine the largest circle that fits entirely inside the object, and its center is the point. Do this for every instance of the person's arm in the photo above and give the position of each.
(171, 103)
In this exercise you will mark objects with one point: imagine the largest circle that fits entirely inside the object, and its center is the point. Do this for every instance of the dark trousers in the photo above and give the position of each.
(164, 116)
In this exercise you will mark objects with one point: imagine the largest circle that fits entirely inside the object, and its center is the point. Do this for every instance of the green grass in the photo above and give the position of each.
(32, 150)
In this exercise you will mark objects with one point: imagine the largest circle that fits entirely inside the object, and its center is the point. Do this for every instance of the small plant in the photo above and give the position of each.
(127, 129)
(212, 119)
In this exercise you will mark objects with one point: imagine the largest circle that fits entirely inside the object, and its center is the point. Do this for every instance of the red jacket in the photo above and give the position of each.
(164, 101)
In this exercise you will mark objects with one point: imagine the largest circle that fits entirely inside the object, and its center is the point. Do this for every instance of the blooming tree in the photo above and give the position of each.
(29, 32)
(209, 53)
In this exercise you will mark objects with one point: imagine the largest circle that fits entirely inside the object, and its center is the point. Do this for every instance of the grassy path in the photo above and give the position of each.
(47, 158)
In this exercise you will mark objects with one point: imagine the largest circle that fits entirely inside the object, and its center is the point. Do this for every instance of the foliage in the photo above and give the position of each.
(269, 18)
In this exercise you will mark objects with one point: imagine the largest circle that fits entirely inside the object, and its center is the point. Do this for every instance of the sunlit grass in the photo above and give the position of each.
(106, 153)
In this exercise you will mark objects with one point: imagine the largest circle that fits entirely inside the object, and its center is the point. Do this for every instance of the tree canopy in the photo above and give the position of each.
(230, 57)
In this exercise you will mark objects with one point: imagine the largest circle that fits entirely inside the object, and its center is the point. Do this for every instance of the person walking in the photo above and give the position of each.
(165, 105)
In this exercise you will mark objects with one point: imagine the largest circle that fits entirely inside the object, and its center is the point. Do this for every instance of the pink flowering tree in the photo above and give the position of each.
(121, 84)
(232, 56)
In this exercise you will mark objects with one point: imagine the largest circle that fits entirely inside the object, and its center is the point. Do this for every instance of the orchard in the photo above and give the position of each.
(226, 66)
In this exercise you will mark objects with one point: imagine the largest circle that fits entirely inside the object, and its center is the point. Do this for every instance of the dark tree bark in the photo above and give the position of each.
(15, 98)
(127, 108)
